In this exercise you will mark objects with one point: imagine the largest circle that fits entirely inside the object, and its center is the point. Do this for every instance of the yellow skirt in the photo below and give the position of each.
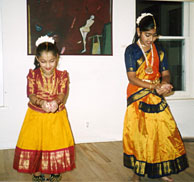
(152, 143)
(45, 144)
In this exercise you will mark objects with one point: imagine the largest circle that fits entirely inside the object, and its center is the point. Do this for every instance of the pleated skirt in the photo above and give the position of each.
(45, 144)
(152, 143)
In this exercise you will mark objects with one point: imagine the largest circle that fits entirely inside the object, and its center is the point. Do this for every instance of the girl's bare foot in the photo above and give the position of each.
(37, 174)
(167, 179)
(135, 178)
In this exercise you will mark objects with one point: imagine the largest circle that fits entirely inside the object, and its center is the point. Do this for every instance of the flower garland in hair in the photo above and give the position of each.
(43, 39)
(143, 15)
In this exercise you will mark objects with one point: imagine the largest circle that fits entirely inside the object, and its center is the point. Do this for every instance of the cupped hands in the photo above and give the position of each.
(50, 107)
(164, 89)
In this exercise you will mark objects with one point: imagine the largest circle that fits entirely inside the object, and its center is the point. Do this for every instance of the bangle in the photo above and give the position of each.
(150, 86)
(158, 86)
(38, 102)
(41, 102)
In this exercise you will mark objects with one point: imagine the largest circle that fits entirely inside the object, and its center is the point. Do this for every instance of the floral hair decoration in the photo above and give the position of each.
(143, 15)
(43, 39)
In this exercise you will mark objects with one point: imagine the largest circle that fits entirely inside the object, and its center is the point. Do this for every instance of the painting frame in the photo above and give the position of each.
(79, 27)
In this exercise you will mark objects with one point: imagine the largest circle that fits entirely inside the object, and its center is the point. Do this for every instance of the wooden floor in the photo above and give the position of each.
(95, 162)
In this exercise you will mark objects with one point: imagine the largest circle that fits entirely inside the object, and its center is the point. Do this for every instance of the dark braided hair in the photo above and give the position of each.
(45, 46)
(146, 24)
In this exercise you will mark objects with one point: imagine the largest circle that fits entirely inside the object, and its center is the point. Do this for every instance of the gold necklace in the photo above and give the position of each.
(148, 69)
(50, 82)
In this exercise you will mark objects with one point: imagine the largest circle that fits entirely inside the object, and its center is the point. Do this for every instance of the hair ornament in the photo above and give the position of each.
(143, 15)
(43, 39)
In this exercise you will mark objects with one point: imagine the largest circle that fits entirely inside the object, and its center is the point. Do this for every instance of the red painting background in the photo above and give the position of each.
(63, 18)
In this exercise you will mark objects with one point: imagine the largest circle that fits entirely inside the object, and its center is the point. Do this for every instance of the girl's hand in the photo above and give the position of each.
(53, 106)
(159, 90)
(167, 88)
(164, 89)
(46, 106)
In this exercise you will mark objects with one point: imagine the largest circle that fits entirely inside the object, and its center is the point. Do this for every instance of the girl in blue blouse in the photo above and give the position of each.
(152, 143)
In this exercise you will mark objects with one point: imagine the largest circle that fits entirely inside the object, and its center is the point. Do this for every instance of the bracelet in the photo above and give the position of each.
(150, 86)
(157, 86)
(41, 102)
(38, 101)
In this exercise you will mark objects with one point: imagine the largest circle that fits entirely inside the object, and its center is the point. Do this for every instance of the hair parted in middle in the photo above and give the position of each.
(145, 23)
(47, 47)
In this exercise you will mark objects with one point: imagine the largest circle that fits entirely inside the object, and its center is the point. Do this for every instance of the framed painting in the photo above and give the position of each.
(79, 27)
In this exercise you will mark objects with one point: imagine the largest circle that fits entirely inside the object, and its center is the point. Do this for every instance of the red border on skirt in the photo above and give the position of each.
(31, 161)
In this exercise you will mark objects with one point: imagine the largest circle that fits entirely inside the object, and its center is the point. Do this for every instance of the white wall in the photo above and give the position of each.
(1, 64)
(97, 99)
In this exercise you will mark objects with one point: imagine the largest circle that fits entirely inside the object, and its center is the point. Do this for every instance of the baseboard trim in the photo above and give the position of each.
(188, 139)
